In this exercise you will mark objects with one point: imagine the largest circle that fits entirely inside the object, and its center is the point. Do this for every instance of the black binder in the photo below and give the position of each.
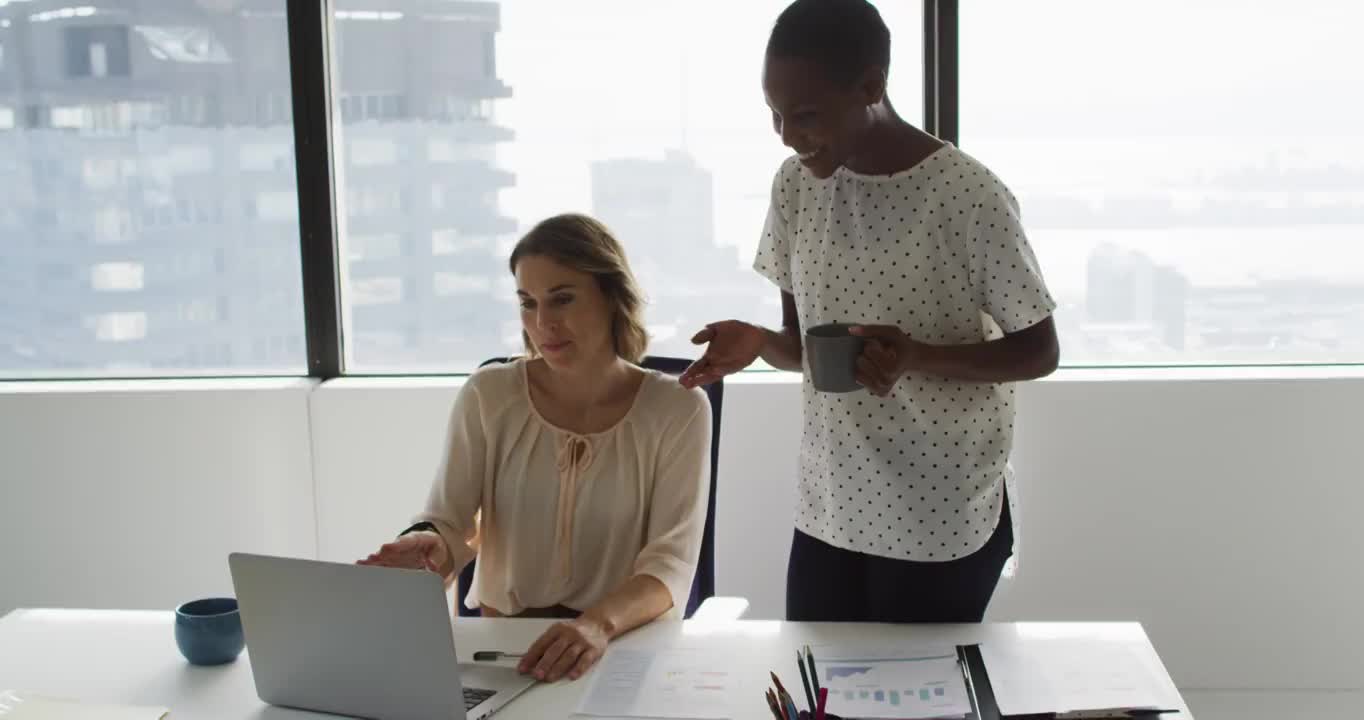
(982, 695)
(978, 690)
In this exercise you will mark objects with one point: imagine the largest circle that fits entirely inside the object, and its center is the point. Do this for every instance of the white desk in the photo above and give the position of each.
(130, 657)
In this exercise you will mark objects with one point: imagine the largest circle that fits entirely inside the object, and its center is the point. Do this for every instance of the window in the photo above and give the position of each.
(112, 225)
(650, 116)
(198, 310)
(447, 241)
(370, 152)
(444, 150)
(489, 55)
(266, 157)
(187, 110)
(377, 291)
(1191, 173)
(277, 206)
(70, 118)
(381, 201)
(92, 51)
(450, 283)
(104, 173)
(373, 247)
(272, 109)
(120, 326)
(176, 160)
(126, 228)
(116, 277)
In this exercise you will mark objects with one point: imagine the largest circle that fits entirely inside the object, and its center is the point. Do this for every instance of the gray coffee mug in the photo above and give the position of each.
(831, 354)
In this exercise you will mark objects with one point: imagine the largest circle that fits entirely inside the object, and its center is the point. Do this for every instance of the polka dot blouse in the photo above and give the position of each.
(937, 250)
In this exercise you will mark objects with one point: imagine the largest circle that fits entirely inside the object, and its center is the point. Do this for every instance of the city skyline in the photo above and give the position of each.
(153, 229)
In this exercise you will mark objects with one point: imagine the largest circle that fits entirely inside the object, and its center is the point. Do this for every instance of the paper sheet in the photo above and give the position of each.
(687, 684)
(1068, 674)
(16, 705)
(902, 682)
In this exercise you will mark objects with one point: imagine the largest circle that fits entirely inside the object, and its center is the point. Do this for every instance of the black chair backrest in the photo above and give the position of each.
(703, 586)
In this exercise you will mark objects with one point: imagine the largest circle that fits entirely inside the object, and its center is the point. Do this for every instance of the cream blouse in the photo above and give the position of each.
(561, 518)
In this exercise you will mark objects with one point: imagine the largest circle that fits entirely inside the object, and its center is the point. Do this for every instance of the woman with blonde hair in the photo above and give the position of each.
(578, 478)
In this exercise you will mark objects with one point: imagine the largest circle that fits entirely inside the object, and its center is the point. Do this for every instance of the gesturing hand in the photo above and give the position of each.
(731, 346)
(414, 551)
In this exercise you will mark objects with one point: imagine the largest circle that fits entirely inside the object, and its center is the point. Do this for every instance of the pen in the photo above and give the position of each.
(805, 681)
(823, 700)
(494, 655)
(1094, 714)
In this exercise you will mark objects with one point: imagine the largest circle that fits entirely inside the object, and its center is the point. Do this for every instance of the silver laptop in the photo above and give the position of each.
(364, 641)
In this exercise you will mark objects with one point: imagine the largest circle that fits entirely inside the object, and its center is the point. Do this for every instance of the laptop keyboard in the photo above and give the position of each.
(474, 696)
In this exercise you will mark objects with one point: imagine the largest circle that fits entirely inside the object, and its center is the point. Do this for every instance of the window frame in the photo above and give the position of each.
(311, 74)
(310, 27)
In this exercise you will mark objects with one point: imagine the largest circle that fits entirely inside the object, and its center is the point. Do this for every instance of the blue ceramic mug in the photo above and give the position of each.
(209, 631)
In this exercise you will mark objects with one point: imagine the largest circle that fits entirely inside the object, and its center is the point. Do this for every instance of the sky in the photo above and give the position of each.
(1082, 98)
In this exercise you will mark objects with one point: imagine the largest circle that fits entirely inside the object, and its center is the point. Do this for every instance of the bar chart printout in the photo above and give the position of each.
(906, 682)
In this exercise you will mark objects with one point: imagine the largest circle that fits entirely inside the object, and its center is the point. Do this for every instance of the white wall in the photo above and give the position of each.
(1222, 514)
(1219, 513)
(376, 446)
(119, 495)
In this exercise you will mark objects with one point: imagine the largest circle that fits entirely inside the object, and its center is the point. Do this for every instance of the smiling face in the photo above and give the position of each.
(822, 120)
(564, 313)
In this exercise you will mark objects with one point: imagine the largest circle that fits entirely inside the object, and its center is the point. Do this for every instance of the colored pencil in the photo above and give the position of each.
(772, 705)
(805, 681)
(814, 676)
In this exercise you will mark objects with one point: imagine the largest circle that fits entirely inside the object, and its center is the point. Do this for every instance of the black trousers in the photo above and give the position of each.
(829, 584)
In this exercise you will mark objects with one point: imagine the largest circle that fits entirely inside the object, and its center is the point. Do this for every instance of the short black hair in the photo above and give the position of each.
(843, 36)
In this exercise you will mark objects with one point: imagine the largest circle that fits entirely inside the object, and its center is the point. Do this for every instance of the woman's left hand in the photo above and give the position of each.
(887, 355)
(567, 649)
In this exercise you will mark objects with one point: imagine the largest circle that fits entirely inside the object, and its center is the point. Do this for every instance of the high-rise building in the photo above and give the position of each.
(663, 211)
(147, 165)
(1126, 288)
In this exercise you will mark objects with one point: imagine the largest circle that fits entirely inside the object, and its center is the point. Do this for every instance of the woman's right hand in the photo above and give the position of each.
(733, 346)
(414, 551)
